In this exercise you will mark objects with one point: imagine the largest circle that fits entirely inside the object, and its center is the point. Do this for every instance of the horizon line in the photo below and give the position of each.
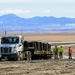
(35, 16)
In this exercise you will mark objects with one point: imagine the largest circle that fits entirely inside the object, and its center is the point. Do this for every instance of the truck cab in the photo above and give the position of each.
(11, 47)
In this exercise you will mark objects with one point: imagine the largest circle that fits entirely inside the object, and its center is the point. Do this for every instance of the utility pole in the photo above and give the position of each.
(5, 32)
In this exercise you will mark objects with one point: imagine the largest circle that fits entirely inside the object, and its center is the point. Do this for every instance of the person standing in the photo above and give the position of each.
(61, 53)
(70, 53)
(55, 50)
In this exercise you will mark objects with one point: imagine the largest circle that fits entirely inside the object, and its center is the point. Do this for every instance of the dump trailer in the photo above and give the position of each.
(15, 47)
(37, 49)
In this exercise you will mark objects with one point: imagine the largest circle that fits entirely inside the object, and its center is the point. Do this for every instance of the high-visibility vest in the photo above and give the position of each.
(55, 49)
(60, 49)
(70, 51)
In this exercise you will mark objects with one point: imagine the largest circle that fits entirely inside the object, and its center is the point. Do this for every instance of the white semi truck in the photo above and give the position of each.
(15, 47)
(12, 47)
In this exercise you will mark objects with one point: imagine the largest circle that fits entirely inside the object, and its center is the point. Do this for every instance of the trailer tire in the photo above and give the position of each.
(28, 55)
(20, 56)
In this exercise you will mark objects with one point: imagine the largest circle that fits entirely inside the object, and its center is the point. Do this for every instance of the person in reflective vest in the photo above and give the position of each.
(60, 52)
(70, 53)
(55, 50)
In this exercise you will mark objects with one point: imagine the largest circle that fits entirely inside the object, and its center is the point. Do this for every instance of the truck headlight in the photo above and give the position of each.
(14, 50)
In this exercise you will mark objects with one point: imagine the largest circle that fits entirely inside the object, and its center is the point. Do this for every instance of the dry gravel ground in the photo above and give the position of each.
(42, 67)
(38, 67)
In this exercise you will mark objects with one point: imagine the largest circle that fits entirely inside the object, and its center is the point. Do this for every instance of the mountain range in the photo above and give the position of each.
(14, 23)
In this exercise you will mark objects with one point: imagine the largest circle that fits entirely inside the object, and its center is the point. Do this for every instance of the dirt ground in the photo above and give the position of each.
(43, 66)
(38, 67)
(50, 37)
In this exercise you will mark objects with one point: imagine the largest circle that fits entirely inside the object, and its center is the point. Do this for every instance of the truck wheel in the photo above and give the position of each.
(18, 57)
(22, 56)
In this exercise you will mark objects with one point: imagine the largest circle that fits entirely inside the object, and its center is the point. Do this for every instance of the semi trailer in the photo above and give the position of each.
(15, 47)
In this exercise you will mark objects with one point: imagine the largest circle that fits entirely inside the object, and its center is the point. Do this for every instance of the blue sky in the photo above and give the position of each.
(32, 8)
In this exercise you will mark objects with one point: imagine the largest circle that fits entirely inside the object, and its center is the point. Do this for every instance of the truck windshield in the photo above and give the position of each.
(9, 40)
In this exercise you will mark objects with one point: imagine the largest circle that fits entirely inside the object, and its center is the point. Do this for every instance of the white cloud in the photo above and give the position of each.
(46, 11)
(16, 11)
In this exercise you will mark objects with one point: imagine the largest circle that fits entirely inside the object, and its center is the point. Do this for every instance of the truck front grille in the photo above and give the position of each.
(5, 49)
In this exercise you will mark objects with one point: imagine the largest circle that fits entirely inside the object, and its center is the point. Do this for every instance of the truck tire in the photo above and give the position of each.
(22, 56)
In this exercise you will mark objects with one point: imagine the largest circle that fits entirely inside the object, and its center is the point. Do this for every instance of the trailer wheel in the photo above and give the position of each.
(28, 55)
(20, 56)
